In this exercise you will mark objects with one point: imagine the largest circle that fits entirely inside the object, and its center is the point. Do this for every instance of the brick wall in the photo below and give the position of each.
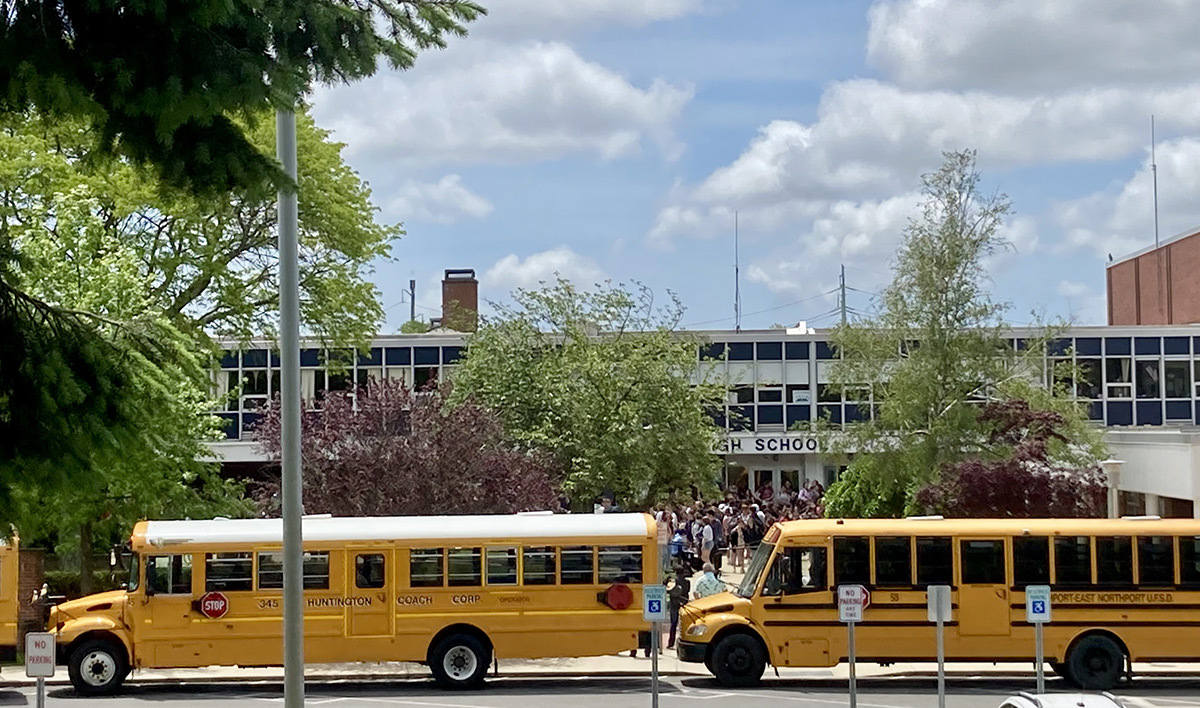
(1122, 294)
(1161, 287)
(1184, 260)
(460, 300)
(33, 574)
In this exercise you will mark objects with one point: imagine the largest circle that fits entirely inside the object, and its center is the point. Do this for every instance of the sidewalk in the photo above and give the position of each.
(602, 666)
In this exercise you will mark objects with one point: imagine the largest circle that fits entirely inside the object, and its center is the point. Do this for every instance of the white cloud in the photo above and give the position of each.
(1120, 220)
(541, 19)
(510, 272)
(1070, 288)
(488, 102)
(443, 202)
(1032, 45)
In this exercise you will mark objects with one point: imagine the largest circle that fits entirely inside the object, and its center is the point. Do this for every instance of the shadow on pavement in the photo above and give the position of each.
(13, 698)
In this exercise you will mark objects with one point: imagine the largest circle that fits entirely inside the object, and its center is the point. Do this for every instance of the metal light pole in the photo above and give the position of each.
(289, 359)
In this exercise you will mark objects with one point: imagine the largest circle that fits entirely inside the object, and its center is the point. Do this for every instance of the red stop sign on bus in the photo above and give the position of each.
(214, 605)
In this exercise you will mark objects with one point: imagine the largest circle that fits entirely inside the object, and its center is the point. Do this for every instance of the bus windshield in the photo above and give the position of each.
(755, 570)
(133, 573)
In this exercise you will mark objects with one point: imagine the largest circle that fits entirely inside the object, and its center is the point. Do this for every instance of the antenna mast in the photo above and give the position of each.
(842, 297)
(1154, 174)
(737, 279)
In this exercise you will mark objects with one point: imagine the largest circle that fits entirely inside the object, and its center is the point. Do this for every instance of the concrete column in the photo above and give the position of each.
(1153, 505)
(1112, 474)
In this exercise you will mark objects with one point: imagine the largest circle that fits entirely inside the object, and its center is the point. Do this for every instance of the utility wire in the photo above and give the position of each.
(769, 309)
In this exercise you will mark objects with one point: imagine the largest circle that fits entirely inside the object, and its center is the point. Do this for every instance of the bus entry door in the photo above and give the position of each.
(371, 594)
(983, 596)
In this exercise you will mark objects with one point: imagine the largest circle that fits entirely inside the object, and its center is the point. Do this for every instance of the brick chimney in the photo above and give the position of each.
(460, 300)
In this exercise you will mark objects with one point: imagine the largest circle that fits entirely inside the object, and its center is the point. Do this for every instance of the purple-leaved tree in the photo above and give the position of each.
(1028, 482)
(400, 452)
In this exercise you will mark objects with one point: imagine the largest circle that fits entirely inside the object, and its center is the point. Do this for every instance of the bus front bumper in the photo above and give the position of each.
(691, 652)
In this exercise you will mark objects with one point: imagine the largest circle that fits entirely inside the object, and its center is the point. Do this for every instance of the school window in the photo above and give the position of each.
(1073, 560)
(982, 562)
(1114, 561)
(1148, 383)
(1156, 560)
(425, 568)
(620, 564)
(540, 566)
(169, 575)
(577, 565)
(1177, 378)
(935, 561)
(852, 561)
(893, 561)
(463, 567)
(1118, 376)
(316, 570)
(370, 570)
(1189, 561)
(228, 571)
(501, 566)
(1031, 561)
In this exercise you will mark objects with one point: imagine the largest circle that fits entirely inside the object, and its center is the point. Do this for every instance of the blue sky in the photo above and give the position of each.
(615, 139)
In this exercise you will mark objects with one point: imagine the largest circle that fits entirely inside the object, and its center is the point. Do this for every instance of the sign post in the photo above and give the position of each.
(654, 611)
(852, 600)
(1037, 613)
(39, 661)
(937, 598)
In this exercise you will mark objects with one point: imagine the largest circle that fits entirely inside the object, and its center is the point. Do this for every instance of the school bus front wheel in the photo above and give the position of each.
(97, 667)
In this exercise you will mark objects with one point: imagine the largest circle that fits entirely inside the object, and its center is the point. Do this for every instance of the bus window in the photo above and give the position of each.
(1156, 560)
(852, 561)
(501, 566)
(1072, 560)
(540, 566)
(795, 571)
(893, 561)
(1114, 561)
(228, 571)
(1189, 561)
(316, 570)
(425, 568)
(1031, 561)
(169, 575)
(577, 564)
(370, 570)
(463, 567)
(982, 562)
(620, 564)
(935, 561)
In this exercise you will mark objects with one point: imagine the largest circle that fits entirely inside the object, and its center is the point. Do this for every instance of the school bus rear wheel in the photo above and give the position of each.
(460, 661)
(97, 668)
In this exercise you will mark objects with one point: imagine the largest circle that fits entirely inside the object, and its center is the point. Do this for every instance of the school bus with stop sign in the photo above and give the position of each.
(455, 593)
(1123, 590)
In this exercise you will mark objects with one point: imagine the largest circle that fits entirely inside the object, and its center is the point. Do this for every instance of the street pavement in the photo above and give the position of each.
(611, 692)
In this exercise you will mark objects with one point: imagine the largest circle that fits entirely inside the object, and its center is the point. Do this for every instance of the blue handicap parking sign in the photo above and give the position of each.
(656, 606)
(1039, 607)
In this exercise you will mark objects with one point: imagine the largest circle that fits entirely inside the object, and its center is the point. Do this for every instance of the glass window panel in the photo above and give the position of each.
(270, 570)
(1189, 560)
(1114, 561)
(983, 562)
(463, 567)
(773, 394)
(1156, 560)
(370, 570)
(540, 565)
(852, 561)
(1177, 379)
(796, 350)
(1148, 382)
(425, 568)
(1031, 561)
(741, 351)
(228, 571)
(935, 561)
(620, 564)
(169, 575)
(502, 566)
(769, 351)
(893, 561)
(1090, 380)
(316, 570)
(1072, 560)
(577, 565)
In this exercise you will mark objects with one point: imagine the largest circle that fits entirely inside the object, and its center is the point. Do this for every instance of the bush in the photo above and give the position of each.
(66, 582)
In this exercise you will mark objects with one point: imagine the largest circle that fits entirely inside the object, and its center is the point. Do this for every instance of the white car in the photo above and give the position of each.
(1063, 700)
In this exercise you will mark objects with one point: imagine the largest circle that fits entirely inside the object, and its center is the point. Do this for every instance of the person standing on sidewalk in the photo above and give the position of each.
(708, 584)
(677, 596)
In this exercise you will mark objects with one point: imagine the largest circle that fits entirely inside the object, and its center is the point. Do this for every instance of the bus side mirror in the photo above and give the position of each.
(150, 590)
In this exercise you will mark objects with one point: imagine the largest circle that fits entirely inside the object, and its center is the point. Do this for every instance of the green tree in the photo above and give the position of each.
(414, 327)
(936, 351)
(601, 378)
(163, 82)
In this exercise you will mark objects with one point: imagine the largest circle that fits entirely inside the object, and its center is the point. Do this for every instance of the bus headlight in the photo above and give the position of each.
(696, 630)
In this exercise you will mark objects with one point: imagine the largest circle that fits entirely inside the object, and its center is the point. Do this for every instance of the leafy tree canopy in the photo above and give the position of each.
(163, 82)
(385, 451)
(935, 353)
(601, 379)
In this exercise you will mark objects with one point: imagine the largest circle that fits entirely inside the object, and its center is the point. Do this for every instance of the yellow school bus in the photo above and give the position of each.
(9, 602)
(1123, 590)
(456, 593)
